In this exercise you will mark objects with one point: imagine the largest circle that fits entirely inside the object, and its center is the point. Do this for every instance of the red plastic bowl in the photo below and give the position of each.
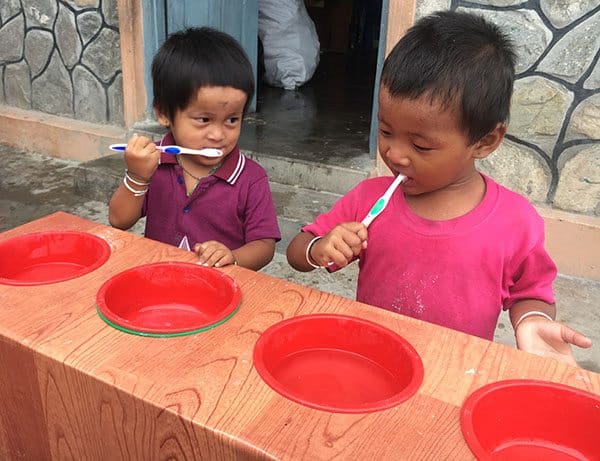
(48, 257)
(532, 420)
(168, 299)
(338, 363)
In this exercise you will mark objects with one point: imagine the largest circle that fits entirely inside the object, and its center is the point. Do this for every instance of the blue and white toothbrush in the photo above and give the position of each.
(175, 150)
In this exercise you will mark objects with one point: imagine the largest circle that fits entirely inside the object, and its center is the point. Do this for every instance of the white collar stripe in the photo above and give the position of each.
(238, 169)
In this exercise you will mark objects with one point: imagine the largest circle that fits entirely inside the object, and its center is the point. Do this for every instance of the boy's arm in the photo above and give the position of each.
(256, 254)
(141, 158)
(253, 255)
(296, 252)
(124, 209)
(538, 333)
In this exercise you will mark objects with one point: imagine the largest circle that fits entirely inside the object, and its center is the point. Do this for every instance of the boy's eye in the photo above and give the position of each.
(421, 148)
(233, 120)
(202, 119)
(384, 132)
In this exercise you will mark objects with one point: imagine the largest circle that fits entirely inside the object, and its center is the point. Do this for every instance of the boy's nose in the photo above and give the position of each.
(216, 133)
(397, 156)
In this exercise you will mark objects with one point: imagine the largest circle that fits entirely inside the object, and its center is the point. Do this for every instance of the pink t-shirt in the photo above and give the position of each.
(457, 273)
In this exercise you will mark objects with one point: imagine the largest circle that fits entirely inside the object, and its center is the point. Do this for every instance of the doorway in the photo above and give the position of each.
(328, 119)
(331, 118)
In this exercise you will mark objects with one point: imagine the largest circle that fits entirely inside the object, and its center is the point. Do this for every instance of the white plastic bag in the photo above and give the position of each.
(290, 42)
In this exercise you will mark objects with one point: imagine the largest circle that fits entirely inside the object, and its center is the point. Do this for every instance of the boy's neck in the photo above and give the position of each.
(449, 202)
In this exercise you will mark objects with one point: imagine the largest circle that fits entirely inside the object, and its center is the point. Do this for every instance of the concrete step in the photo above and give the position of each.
(297, 171)
(295, 205)
(309, 175)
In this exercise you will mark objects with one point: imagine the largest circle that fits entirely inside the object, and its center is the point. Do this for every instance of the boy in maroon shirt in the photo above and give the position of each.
(221, 207)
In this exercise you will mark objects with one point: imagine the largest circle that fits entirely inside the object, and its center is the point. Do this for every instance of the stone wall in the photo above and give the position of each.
(552, 151)
(62, 57)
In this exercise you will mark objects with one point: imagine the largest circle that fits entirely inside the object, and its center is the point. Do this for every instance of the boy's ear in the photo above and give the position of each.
(490, 142)
(162, 119)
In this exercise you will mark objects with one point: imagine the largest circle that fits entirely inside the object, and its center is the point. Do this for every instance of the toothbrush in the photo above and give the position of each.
(175, 150)
(382, 201)
(375, 211)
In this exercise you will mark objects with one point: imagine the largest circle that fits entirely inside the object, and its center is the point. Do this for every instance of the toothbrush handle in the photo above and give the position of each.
(367, 220)
(122, 147)
(117, 147)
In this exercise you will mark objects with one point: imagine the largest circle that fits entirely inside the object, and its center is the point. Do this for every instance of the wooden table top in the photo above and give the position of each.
(207, 383)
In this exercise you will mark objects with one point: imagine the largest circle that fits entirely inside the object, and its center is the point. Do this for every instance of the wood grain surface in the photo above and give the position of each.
(73, 387)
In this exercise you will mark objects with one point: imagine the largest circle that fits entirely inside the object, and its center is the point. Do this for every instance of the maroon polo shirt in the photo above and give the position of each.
(234, 205)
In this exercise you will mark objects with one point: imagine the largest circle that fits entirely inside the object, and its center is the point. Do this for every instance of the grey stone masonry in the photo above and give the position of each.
(519, 168)
(100, 55)
(11, 40)
(9, 9)
(561, 13)
(67, 38)
(88, 23)
(52, 91)
(38, 47)
(551, 153)
(574, 53)
(62, 57)
(593, 81)
(524, 27)
(579, 185)
(585, 120)
(542, 106)
(18, 85)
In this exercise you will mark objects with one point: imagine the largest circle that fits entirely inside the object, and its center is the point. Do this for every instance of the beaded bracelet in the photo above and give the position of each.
(531, 313)
(308, 248)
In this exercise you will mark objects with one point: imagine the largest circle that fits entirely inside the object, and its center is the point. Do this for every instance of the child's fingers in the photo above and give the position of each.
(358, 229)
(224, 260)
(213, 253)
(355, 235)
(215, 256)
(345, 250)
(571, 336)
(149, 149)
(202, 251)
(340, 257)
(220, 257)
(350, 244)
(138, 142)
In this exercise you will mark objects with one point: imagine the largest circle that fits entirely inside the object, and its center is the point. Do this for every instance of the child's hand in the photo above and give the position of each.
(213, 253)
(141, 157)
(341, 245)
(541, 336)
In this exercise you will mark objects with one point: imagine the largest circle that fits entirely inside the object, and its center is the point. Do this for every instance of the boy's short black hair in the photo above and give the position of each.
(194, 58)
(459, 60)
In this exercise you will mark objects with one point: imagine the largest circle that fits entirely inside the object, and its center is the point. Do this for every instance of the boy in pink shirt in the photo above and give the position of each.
(452, 247)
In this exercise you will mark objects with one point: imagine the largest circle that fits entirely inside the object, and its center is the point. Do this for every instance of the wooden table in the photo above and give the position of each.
(72, 387)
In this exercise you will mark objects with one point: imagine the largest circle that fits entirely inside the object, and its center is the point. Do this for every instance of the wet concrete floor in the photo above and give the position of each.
(327, 120)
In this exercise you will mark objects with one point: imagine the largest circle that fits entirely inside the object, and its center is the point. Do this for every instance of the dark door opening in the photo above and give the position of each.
(327, 120)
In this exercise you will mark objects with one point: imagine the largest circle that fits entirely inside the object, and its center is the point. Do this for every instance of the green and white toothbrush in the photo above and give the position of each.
(382, 201)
